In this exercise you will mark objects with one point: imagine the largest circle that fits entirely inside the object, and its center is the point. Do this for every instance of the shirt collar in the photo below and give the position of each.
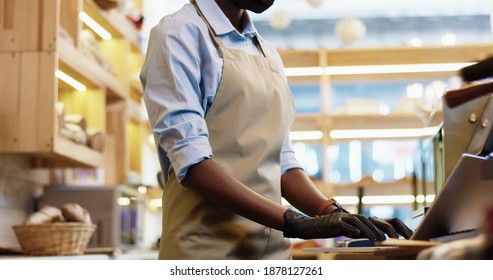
(219, 22)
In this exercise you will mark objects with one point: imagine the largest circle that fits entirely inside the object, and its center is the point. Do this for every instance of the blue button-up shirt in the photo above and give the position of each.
(180, 77)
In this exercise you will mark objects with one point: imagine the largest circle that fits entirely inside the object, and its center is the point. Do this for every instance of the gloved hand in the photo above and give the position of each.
(392, 227)
(337, 223)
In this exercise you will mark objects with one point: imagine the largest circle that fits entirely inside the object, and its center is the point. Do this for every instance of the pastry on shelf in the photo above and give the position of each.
(75, 133)
(96, 139)
(91, 49)
(107, 4)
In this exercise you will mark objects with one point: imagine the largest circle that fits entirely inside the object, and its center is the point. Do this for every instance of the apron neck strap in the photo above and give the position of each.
(259, 44)
(216, 38)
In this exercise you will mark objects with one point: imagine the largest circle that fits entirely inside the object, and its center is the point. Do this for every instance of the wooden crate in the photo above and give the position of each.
(28, 110)
(35, 25)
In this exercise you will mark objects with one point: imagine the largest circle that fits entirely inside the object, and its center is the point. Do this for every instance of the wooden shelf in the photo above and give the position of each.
(382, 56)
(372, 78)
(137, 88)
(399, 187)
(329, 122)
(385, 56)
(75, 155)
(135, 112)
(90, 72)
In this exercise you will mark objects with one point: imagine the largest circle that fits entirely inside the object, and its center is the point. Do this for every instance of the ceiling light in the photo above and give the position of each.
(376, 69)
(384, 109)
(71, 81)
(156, 202)
(416, 42)
(383, 133)
(448, 39)
(415, 91)
(315, 3)
(305, 135)
(350, 30)
(94, 26)
(303, 71)
(429, 198)
(280, 20)
(347, 199)
(142, 189)
(123, 201)
(383, 199)
(388, 199)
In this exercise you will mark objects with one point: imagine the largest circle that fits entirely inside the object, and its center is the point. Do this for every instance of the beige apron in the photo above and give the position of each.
(251, 113)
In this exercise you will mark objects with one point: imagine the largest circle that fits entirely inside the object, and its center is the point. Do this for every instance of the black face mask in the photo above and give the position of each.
(256, 6)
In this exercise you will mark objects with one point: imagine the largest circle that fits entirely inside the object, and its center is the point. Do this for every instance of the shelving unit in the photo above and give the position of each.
(325, 121)
(375, 56)
(36, 39)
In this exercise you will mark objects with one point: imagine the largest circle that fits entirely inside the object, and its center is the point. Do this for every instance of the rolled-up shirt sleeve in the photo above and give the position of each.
(173, 98)
(288, 157)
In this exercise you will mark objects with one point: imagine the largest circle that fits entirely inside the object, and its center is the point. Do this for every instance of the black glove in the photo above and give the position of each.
(392, 227)
(337, 223)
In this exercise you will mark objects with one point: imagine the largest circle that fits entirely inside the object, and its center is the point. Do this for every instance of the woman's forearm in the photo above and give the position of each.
(299, 190)
(216, 184)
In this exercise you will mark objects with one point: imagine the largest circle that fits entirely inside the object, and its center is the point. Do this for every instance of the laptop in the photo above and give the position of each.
(462, 202)
(459, 208)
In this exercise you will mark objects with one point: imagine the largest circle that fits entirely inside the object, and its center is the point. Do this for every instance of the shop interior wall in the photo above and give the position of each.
(20, 184)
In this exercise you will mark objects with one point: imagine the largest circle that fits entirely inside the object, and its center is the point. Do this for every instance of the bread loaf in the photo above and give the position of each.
(47, 214)
(73, 212)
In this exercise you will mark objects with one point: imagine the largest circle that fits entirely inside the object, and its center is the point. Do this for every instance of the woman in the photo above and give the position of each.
(221, 110)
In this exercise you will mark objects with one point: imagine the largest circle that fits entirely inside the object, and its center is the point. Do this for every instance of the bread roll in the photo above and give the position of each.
(73, 212)
(96, 140)
(37, 218)
(54, 213)
(46, 214)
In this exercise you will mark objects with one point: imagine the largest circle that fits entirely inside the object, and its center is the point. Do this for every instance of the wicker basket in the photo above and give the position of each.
(55, 239)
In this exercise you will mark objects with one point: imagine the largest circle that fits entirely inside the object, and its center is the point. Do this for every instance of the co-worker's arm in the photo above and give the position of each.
(216, 184)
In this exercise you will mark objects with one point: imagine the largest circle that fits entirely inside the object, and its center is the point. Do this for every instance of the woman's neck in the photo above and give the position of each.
(232, 12)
